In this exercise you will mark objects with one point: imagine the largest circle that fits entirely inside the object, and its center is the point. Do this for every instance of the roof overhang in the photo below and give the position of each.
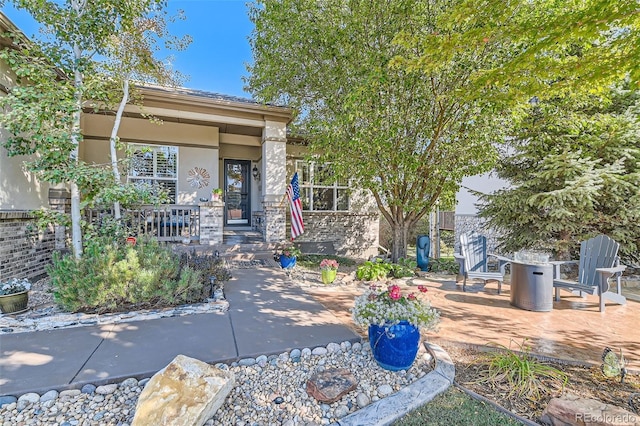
(230, 114)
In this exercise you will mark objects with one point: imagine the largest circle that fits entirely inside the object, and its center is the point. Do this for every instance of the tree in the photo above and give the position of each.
(407, 97)
(131, 56)
(552, 47)
(78, 33)
(574, 171)
(407, 136)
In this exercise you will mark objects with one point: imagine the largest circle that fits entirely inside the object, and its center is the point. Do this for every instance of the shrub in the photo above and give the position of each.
(208, 264)
(404, 268)
(522, 371)
(444, 264)
(112, 276)
(313, 261)
(373, 270)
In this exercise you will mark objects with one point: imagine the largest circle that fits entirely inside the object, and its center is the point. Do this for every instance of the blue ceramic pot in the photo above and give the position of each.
(394, 347)
(287, 262)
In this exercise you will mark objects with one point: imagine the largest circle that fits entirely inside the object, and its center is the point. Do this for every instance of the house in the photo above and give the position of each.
(199, 142)
(466, 212)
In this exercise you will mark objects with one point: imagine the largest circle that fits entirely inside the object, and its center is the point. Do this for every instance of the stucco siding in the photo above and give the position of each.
(19, 189)
(486, 183)
(188, 159)
(143, 130)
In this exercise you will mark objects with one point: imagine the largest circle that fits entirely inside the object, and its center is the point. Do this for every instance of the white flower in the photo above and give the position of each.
(389, 307)
(14, 285)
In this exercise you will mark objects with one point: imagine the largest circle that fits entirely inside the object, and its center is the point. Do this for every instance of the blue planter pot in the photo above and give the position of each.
(287, 262)
(394, 348)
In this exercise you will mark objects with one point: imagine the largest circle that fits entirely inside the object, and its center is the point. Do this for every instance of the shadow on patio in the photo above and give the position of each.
(573, 330)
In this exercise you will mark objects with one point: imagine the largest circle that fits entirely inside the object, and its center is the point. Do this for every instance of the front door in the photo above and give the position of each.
(237, 209)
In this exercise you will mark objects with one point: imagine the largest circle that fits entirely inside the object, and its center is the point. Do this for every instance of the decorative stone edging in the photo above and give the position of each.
(44, 319)
(385, 411)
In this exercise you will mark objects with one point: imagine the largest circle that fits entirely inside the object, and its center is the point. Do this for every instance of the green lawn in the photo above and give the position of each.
(454, 407)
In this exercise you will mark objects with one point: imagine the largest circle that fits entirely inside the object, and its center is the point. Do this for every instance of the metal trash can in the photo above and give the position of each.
(532, 286)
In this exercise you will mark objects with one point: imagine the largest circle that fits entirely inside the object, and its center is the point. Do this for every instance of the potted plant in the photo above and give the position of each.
(14, 295)
(288, 256)
(329, 269)
(216, 194)
(394, 322)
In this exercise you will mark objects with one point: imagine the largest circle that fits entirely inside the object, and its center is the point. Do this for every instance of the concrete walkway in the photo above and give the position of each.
(267, 315)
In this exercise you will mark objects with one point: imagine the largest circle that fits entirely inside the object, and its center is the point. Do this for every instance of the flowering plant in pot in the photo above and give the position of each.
(329, 268)
(394, 322)
(14, 295)
(288, 255)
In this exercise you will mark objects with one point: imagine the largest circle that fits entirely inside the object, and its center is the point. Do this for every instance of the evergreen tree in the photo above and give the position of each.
(574, 170)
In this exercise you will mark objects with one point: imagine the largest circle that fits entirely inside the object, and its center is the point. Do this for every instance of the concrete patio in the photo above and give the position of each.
(574, 330)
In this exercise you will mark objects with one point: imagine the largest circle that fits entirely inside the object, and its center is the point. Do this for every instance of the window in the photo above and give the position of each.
(156, 167)
(319, 190)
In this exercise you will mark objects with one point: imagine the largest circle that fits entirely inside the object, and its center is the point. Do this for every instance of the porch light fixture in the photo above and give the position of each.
(255, 172)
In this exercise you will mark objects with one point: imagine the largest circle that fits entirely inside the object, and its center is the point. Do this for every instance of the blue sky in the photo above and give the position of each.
(215, 60)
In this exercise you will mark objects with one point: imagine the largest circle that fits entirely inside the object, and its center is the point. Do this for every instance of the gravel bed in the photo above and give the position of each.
(269, 390)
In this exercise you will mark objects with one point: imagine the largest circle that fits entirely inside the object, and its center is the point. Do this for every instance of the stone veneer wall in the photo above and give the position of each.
(273, 221)
(24, 252)
(346, 234)
(466, 223)
(470, 223)
(211, 222)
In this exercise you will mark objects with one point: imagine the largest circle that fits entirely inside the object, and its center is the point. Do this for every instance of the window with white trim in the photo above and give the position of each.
(155, 166)
(319, 190)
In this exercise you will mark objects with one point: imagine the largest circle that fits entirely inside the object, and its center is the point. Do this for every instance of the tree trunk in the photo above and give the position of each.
(434, 234)
(563, 246)
(112, 143)
(399, 248)
(76, 230)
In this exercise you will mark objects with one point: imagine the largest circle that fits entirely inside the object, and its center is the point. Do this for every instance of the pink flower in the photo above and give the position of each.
(394, 292)
(422, 289)
(411, 296)
(329, 264)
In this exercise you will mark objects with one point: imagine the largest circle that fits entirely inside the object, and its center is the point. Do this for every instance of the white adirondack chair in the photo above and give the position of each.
(598, 263)
(473, 261)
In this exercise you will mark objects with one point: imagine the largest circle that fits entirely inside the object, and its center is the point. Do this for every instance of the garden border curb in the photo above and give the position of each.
(385, 411)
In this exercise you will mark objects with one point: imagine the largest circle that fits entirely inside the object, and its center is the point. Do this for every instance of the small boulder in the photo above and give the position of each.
(330, 385)
(185, 392)
(573, 410)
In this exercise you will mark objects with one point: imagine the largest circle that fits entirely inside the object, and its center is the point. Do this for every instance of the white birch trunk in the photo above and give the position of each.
(112, 143)
(76, 230)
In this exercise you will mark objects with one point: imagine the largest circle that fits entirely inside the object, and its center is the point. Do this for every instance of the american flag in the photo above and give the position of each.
(293, 194)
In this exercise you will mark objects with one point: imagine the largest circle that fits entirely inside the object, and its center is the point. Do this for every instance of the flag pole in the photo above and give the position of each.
(284, 197)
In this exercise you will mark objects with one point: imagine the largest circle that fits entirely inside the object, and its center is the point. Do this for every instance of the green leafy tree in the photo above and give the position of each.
(406, 135)
(58, 76)
(133, 56)
(407, 97)
(574, 171)
(550, 47)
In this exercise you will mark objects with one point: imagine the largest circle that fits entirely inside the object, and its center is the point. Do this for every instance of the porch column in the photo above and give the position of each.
(274, 180)
(211, 221)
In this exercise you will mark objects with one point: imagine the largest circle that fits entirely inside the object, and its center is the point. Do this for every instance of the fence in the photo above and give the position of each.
(166, 222)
